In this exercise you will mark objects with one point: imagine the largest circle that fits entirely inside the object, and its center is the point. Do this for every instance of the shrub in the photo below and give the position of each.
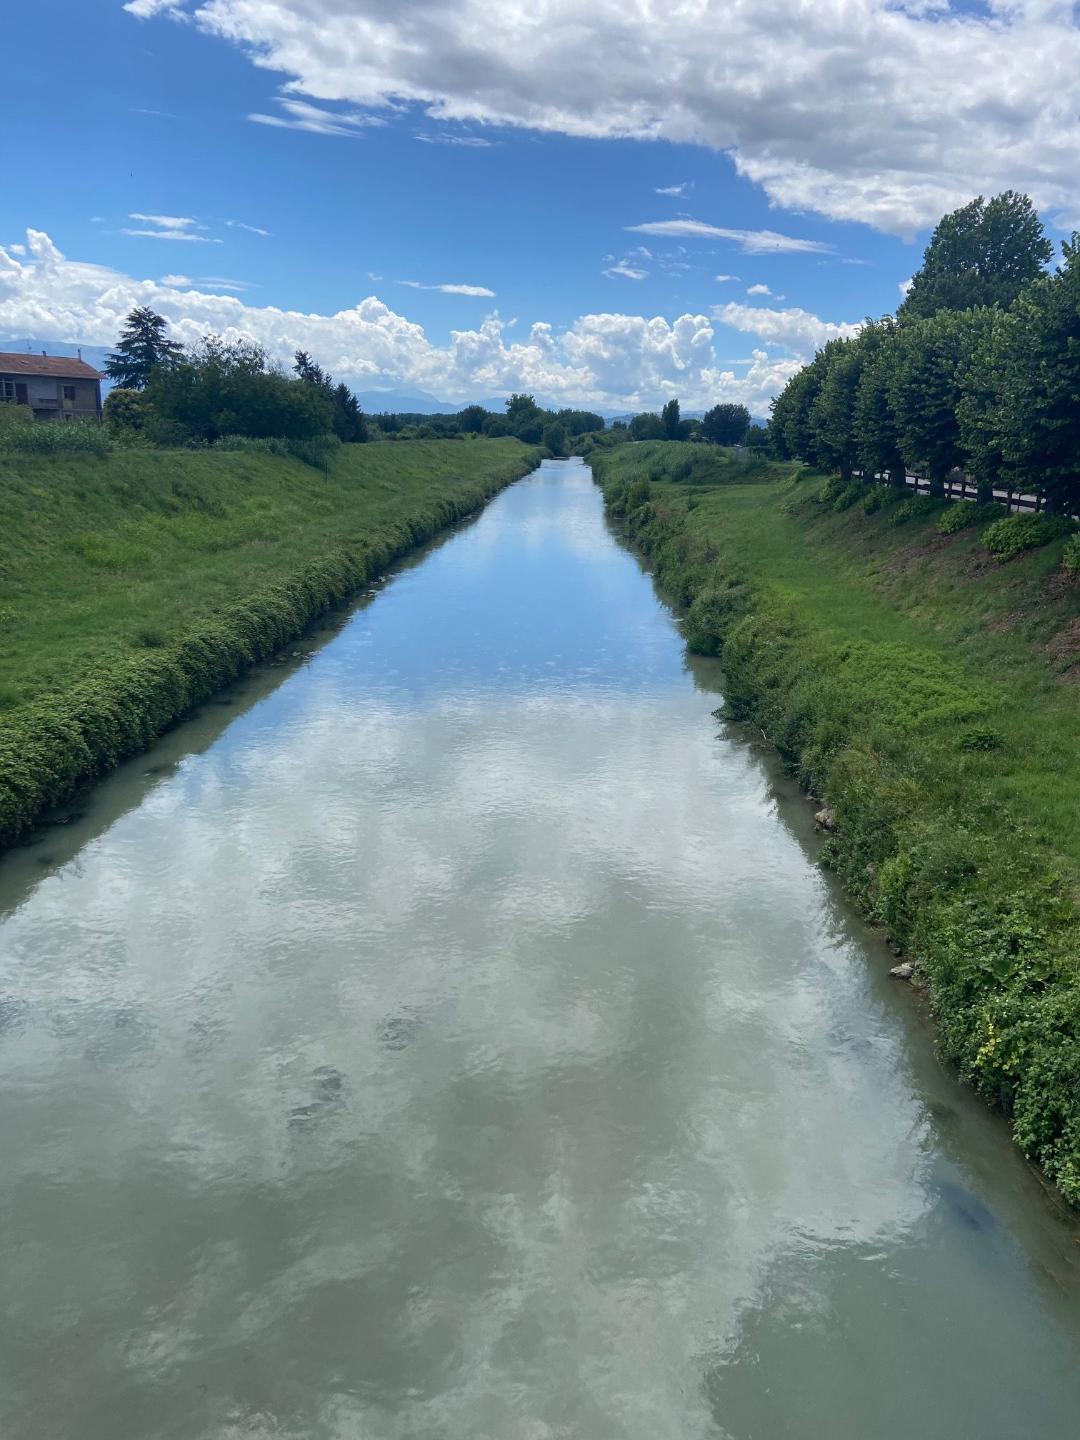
(1071, 557)
(57, 437)
(710, 614)
(966, 513)
(833, 488)
(848, 496)
(1016, 533)
(127, 411)
(916, 507)
(878, 496)
(316, 452)
(638, 493)
(15, 415)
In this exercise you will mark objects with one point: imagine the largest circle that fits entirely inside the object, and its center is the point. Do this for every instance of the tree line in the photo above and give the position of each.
(978, 370)
(523, 419)
(724, 424)
(220, 388)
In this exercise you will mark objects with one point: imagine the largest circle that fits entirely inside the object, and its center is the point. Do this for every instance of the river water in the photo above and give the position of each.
(449, 1035)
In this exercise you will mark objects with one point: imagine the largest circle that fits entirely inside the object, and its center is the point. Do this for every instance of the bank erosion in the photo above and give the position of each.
(920, 676)
(136, 582)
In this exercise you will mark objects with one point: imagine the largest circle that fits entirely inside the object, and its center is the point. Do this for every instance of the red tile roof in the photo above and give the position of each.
(61, 367)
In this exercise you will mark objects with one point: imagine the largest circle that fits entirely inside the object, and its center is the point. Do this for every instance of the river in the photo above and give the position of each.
(449, 1036)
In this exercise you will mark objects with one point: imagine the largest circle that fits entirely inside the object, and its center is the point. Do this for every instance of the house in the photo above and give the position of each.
(56, 387)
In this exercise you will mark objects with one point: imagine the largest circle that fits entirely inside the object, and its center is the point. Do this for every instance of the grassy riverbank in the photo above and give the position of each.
(134, 585)
(928, 694)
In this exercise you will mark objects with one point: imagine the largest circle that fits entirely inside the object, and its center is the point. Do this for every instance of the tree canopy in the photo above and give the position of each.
(982, 254)
(992, 388)
(725, 424)
(143, 346)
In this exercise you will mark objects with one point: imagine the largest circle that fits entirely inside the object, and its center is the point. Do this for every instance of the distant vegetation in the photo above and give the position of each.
(561, 431)
(979, 371)
(228, 393)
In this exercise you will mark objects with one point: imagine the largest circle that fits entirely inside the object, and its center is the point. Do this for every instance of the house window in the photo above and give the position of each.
(7, 391)
(69, 393)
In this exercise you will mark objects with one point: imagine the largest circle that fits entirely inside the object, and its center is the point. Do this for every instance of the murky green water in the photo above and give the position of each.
(453, 1038)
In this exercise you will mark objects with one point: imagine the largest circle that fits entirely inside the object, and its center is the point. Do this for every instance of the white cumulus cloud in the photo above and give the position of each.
(870, 110)
(612, 360)
(796, 330)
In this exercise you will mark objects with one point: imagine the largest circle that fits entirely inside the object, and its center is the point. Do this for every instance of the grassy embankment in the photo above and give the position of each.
(928, 693)
(135, 584)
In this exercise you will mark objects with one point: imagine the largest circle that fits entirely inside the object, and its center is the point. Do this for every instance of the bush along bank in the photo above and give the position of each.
(60, 740)
(900, 743)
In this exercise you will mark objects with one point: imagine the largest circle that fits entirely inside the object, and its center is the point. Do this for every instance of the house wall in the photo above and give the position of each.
(45, 394)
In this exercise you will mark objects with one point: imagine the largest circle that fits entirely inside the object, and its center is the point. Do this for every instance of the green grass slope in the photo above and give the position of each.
(927, 692)
(135, 584)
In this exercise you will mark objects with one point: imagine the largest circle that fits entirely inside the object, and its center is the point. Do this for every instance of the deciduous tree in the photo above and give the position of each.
(982, 254)
(726, 424)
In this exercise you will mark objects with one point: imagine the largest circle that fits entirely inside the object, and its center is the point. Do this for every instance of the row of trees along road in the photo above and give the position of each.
(978, 371)
(220, 387)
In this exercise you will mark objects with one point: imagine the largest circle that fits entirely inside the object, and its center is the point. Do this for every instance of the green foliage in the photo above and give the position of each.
(878, 496)
(226, 388)
(1014, 534)
(579, 422)
(56, 437)
(139, 585)
(143, 348)
(318, 451)
(1038, 379)
(554, 437)
(790, 426)
(923, 389)
(726, 424)
(961, 381)
(647, 426)
(850, 495)
(346, 418)
(832, 414)
(980, 255)
(15, 416)
(525, 419)
(935, 740)
(874, 430)
(127, 412)
(686, 463)
(831, 491)
(915, 507)
(1070, 558)
(670, 420)
(964, 513)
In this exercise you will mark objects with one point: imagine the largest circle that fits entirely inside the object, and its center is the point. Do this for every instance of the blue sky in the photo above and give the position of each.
(474, 166)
